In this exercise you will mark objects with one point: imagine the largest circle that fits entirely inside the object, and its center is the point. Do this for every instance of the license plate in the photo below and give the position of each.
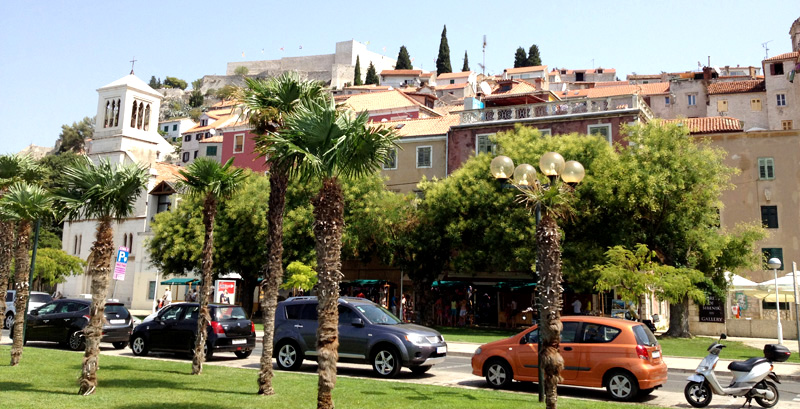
(239, 341)
(114, 322)
(441, 350)
(656, 354)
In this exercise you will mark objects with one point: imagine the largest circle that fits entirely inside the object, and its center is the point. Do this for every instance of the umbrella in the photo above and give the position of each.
(785, 288)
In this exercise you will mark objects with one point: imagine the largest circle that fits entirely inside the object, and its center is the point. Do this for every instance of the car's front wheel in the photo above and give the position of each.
(8, 322)
(119, 345)
(139, 346)
(243, 354)
(499, 374)
(386, 362)
(76, 341)
(622, 386)
(289, 356)
(419, 370)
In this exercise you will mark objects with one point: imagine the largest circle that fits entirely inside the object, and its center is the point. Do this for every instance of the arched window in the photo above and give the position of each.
(107, 118)
(116, 113)
(75, 245)
(124, 240)
(130, 243)
(147, 118)
(133, 115)
(140, 116)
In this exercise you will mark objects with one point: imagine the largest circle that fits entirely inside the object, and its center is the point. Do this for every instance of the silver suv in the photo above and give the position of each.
(368, 333)
(37, 299)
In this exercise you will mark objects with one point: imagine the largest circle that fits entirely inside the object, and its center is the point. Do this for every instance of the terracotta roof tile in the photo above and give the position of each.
(422, 127)
(369, 87)
(452, 86)
(166, 172)
(404, 73)
(525, 69)
(591, 71)
(213, 139)
(735, 87)
(376, 101)
(221, 117)
(655, 88)
(785, 56)
(709, 124)
(452, 75)
(518, 87)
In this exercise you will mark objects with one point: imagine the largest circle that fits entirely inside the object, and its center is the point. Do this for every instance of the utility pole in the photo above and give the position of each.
(766, 49)
(483, 66)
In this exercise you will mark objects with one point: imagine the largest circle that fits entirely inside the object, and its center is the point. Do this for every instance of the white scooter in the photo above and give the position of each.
(752, 379)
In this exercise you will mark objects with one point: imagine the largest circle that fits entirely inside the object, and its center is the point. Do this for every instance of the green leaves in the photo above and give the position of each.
(26, 202)
(299, 275)
(206, 176)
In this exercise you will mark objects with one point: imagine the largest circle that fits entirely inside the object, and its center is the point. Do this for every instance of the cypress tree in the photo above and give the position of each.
(357, 75)
(403, 60)
(443, 60)
(520, 59)
(153, 82)
(466, 62)
(372, 76)
(534, 59)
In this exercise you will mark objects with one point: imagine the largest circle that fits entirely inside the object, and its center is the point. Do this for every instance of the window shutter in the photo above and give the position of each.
(772, 69)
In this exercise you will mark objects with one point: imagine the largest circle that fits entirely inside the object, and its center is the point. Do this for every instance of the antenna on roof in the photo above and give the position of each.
(483, 66)
(766, 49)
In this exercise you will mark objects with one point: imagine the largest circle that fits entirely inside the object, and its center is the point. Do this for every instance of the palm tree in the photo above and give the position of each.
(103, 192)
(331, 143)
(213, 182)
(266, 104)
(13, 168)
(23, 203)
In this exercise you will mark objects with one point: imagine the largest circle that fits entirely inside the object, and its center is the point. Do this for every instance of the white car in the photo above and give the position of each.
(37, 300)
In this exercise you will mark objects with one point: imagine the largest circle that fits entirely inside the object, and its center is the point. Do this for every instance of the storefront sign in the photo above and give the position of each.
(713, 311)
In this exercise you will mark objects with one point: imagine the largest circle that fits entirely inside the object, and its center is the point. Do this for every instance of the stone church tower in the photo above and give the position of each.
(794, 32)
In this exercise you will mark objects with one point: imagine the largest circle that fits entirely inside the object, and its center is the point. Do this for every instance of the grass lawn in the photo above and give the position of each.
(475, 334)
(47, 378)
(698, 348)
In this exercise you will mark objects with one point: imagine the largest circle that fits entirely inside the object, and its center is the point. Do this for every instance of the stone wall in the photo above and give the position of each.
(745, 326)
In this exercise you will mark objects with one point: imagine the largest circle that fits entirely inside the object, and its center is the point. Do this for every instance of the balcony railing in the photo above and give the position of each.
(556, 109)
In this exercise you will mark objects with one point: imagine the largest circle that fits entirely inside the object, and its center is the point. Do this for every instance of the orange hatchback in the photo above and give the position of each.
(622, 356)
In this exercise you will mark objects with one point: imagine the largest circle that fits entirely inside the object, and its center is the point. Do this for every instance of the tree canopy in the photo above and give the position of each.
(172, 82)
(372, 76)
(520, 58)
(443, 59)
(403, 60)
(73, 137)
(466, 63)
(357, 73)
(534, 59)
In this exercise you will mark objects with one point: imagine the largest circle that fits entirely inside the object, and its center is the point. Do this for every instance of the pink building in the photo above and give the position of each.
(238, 142)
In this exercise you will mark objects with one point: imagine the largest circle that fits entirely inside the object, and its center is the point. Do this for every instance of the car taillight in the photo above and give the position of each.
(253, 327)
(217, 327)
(641, 351)
(88, 318)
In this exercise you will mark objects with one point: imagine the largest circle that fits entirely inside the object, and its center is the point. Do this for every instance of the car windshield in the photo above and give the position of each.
(378, 315)
(117, 309)
(42, 298)
(229, 313)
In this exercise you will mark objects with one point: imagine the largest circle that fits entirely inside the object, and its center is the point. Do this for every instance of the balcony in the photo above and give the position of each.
(557, 109)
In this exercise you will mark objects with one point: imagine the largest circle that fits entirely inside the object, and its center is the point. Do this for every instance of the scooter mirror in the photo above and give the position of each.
(723, 336)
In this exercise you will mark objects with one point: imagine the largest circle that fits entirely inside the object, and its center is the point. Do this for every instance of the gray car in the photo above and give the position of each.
(368, 333)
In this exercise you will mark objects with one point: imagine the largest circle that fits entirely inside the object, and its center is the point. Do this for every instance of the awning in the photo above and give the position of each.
(180, 281)
(363, 282)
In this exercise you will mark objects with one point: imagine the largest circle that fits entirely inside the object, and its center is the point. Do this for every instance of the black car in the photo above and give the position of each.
(63, 321)
(174, 329)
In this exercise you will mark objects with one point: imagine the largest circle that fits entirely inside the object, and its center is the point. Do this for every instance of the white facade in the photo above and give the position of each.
(175, 127)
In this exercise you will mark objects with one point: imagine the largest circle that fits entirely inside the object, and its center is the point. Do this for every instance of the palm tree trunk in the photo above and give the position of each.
(328, 223)
(273, 274)
(22, 273)
(6, 254)
(203, 319)
(100, 274)
(548, 240)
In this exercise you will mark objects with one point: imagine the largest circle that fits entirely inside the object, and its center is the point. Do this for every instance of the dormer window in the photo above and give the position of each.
(204, 122)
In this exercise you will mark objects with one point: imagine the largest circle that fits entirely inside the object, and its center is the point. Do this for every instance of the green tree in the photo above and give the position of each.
(299, 277)
(357, 74)
(443, 59)
(53, 266)
(241, 71)
(372, 76)
(172, 82)
(23, 203)
(226, 92)
(73, 137)
(520, 59)
(196, 99)
(332, 143)
(465, 68)
(534, 59)
(213, 182)
(103, 192)
(403, 60)
(266, 105)
(154, 83)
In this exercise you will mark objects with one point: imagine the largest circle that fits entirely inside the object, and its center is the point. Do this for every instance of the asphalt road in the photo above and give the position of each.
(456, 371)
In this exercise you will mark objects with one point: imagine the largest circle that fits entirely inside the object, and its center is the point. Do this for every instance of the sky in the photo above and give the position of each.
(54, 55)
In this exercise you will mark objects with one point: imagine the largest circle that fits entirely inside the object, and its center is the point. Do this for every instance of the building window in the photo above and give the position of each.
(545, 132)
(195, 155)
(187, 138)
(781, 99)
(484, 145)
(766, 168)
(772, 253)
(198, 137)
(603, 130)
(166, 128)
(755, 104)
(769, 216)
(164, 203)
(424, 156)
(666, 101)
(776, 68)
(722, 105)
(238, 143)
(151, 290)
(692, 100)
(185, 157)
(786, 125)
(452, 81)
(130, 243)
(391, 162)
(203, 122)
(175, 127)
(211, 151)
(771, 305)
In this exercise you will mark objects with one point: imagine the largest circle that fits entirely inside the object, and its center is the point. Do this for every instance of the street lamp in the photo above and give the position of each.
(775, 263)
(548, 261)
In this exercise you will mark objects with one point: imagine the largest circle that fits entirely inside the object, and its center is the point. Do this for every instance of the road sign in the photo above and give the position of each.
(122, 263)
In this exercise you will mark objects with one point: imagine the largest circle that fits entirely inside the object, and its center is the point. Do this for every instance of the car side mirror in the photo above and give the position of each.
(357, 322)
(35, 312)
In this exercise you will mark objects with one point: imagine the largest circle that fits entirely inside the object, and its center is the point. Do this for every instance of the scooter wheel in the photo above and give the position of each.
(768, 403)
(698, 394)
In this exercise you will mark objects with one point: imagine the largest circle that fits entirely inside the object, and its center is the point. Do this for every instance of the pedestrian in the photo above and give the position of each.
(576, 307)
(166, 299)
(462, 316)
(393, 304)
(193, 295)
(403, 310)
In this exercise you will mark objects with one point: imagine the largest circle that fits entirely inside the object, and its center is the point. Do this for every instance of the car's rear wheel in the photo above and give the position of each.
(622, 386)
(386, 362)
(8, 322)
(119, 345)
(243, 354)
(139, 346)
(289, 356)
(419, 370)
(498, 374)
(76, 341)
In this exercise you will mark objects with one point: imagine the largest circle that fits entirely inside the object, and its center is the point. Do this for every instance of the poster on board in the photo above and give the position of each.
(225, 291)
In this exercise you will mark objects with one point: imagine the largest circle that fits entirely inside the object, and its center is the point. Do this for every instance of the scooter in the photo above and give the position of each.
(752, 379)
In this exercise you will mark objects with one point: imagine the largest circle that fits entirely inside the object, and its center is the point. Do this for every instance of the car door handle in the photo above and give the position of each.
(298, 326)
(568, 348)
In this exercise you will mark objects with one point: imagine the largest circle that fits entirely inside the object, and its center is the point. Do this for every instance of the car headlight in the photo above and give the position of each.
(417, 339)
(478, 351)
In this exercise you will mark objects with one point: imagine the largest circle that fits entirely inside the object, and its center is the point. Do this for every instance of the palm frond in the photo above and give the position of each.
(25, 201)
(205, 176)
(16, 168)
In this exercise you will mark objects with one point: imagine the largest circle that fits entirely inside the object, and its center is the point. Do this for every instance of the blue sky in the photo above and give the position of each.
(55, 54)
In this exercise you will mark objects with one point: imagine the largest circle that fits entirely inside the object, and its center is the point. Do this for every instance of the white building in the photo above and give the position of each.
(175, 127)
(126, 132)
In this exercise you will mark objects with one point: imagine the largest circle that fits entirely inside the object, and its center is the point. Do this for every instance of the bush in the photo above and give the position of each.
(172, 82)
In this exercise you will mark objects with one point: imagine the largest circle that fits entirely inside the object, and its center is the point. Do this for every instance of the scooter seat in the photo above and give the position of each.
(747, 365)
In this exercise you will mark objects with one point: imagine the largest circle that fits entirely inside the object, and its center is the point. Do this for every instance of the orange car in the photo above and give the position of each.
(622, 356)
